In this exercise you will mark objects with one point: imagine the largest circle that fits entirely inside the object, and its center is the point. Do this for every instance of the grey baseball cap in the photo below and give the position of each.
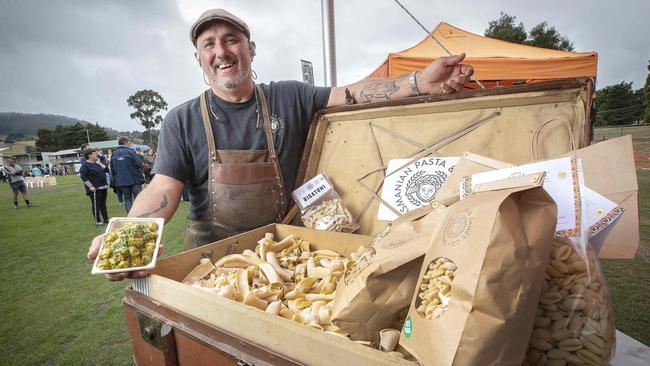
(214, 15)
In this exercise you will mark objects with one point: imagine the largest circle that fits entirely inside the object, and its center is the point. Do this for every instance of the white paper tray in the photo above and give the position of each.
(116, 223)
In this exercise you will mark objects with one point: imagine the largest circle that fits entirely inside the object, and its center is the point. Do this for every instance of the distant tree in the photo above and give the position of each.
(46, 140)
(148, 104)
(618, 104)
(506, 29)
(544, 36)
(646, 97)
(30, 149)
(13, 137)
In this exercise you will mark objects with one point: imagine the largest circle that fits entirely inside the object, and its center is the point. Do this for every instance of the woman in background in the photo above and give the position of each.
(93, 174)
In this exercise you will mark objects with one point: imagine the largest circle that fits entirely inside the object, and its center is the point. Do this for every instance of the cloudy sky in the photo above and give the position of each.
(84, 58)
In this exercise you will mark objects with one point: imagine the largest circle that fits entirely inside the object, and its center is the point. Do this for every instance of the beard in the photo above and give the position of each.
(229, 82)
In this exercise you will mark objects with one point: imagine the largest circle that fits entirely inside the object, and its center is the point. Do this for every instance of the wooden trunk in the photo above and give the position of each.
(171, 323)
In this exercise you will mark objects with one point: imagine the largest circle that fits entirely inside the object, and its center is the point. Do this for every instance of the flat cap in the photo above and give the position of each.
(214, 15)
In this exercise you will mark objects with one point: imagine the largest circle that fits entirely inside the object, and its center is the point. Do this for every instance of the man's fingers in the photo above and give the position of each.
(94, 247)
(454, 85)
(138, 274)
(117, 276)
(466, 70)
(160, 250)
(453, 60)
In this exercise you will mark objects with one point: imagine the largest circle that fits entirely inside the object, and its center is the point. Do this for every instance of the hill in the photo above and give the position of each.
(27, 124)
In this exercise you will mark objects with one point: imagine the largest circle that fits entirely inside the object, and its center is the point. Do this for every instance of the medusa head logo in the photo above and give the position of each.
(421, 188)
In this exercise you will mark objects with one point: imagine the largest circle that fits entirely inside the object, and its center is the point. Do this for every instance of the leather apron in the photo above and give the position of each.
(245, 187)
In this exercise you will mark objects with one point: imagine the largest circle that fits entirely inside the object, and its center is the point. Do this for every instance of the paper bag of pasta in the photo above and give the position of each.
(482, 276)
(379, 285)
(458, 182)
(321, 207)
(574, 323)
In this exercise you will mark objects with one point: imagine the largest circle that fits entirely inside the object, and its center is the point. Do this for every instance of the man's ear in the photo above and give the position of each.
(251, 46)
(198, 59)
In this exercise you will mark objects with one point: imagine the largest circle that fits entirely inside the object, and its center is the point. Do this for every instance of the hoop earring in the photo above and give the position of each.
(204, 80)
(254, 74)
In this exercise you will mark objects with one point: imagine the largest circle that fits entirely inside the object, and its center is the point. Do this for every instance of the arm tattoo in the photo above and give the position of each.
(378, 92)
(163, 204)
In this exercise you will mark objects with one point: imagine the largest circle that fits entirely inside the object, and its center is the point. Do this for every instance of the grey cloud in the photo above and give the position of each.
(83, 58)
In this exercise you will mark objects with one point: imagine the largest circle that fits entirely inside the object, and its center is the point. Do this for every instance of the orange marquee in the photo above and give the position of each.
(493, 60)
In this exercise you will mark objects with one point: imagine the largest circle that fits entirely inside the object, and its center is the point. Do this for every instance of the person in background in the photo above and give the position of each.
(65, 170)
(83, 149)
(36, 171)
(149, 160)
(46, 171)
(126, 168)
(17, 182)
(93, 174)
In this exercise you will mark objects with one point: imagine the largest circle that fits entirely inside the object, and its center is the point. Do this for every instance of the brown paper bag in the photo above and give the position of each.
(482, 277)
(609, 170)
(380, 285)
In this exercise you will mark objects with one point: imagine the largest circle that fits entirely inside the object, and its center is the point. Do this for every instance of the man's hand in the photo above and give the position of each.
(119, 276)
(444, 75)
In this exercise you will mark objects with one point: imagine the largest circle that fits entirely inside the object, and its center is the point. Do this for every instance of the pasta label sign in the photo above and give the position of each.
(410, 185)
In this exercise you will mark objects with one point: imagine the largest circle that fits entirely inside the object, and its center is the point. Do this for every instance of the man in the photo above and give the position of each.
(126, 171)
(16, 180)
(266, 125)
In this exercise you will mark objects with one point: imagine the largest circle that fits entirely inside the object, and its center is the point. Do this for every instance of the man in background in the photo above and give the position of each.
(126, 170)
(16, 180)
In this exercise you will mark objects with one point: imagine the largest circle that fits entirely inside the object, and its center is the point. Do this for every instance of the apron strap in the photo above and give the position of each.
(267, 121)
(212, 149)
(280, 195)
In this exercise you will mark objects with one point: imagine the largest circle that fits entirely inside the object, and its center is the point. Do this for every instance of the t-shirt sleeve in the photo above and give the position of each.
(171, 158)
(313, 98)
(83, 172)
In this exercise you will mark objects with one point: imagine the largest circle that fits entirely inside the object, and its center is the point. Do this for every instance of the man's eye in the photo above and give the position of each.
(208, 45)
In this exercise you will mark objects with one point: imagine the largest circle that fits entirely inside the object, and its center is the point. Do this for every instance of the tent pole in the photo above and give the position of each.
(329, 42)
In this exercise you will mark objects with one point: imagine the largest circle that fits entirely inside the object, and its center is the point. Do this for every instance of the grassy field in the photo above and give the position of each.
(54, 312)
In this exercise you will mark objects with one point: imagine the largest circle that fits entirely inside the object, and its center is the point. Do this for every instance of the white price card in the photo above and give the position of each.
(410, 186)
(561, 182)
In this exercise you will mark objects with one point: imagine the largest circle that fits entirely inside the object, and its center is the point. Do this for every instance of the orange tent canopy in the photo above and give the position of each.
(492, 59)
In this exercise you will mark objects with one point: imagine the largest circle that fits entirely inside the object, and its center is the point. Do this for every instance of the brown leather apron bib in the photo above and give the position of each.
(245, 187)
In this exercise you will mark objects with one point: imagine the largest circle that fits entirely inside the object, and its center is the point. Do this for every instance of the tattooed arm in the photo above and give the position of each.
(159, 199)
(444, 75)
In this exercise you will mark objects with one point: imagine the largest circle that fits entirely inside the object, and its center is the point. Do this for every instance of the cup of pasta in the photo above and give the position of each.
(129, 244)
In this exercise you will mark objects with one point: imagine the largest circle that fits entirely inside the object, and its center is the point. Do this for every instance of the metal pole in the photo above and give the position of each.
(87, 136)
(329, 42)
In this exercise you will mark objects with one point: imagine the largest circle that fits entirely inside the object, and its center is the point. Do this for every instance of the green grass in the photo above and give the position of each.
(52, 310)
(629, 280)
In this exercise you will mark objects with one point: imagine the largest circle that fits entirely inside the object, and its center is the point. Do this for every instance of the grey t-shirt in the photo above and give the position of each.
(9, 170)
(183, 146)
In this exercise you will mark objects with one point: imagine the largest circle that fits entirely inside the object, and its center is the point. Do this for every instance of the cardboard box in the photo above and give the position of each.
(289, 339)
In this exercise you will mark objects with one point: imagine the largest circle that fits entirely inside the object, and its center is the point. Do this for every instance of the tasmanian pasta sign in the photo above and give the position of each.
(412, 184)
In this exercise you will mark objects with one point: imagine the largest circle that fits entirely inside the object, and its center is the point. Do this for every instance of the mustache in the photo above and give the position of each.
(225, 60)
